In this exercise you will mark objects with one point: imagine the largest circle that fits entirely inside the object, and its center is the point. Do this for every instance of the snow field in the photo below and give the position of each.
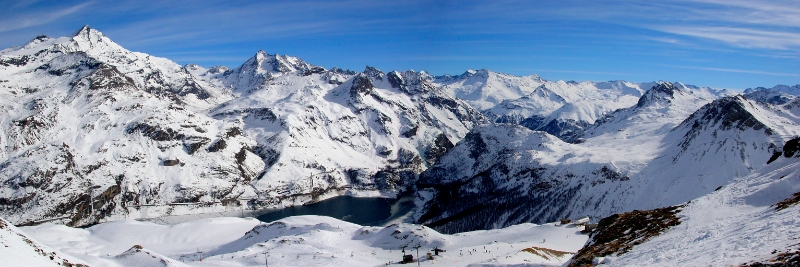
(304, 241)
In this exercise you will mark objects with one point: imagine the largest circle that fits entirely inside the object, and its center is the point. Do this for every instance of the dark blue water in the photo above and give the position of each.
(363, 211)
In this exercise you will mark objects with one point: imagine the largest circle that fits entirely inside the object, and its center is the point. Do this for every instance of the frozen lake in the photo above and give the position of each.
(363, 211)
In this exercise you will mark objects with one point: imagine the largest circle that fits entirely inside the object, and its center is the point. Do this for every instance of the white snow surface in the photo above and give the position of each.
(734, 225)
(302, 241)
(19, 249)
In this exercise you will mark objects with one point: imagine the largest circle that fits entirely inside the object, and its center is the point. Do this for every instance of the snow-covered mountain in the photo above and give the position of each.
(484, 89)
(91, 131)
(563, 109)
(374, 131)
(782, 89)
(643, 157)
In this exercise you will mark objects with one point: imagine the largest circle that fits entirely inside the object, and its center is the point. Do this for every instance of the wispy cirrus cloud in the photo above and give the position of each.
(24, 20)
(746, 24)
(739, 23)
(759, 72)
(742, 37)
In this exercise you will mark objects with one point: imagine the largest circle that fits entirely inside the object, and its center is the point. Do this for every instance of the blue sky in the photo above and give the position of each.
(733, 44)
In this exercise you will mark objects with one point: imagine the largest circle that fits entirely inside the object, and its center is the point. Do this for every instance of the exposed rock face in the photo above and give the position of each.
(729, 113)
(659, 94)
(619, 233)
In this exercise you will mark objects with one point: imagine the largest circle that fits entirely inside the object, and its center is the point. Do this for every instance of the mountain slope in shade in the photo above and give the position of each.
(504, 174)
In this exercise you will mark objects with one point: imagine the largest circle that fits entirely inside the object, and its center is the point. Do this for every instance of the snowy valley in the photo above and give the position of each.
(98, 143)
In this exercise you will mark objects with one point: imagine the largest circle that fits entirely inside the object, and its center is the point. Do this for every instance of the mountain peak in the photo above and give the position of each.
(661, 93)
(727, 112)
(263, 62)
(38, 40)
(666, 87)
(261, 55)
(89, 34)
(41, 37)
(410, 81)
(83, 30)
(373, 73)
(88, 39)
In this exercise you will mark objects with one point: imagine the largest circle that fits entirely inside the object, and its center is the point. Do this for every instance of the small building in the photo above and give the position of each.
(581, 221)
(589, 227)
(408, 259)
(565, 221)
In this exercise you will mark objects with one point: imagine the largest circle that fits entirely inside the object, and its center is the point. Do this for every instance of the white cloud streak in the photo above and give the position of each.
(739, 71)
(39, 18)
(742, 37)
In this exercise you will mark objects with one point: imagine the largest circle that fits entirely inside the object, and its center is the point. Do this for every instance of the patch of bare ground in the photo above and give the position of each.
(619, 233)
(787, 258)
(546, 253)
(787, 202)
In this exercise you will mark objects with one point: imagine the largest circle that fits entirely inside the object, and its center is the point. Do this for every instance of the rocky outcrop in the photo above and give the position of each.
(619, 233)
